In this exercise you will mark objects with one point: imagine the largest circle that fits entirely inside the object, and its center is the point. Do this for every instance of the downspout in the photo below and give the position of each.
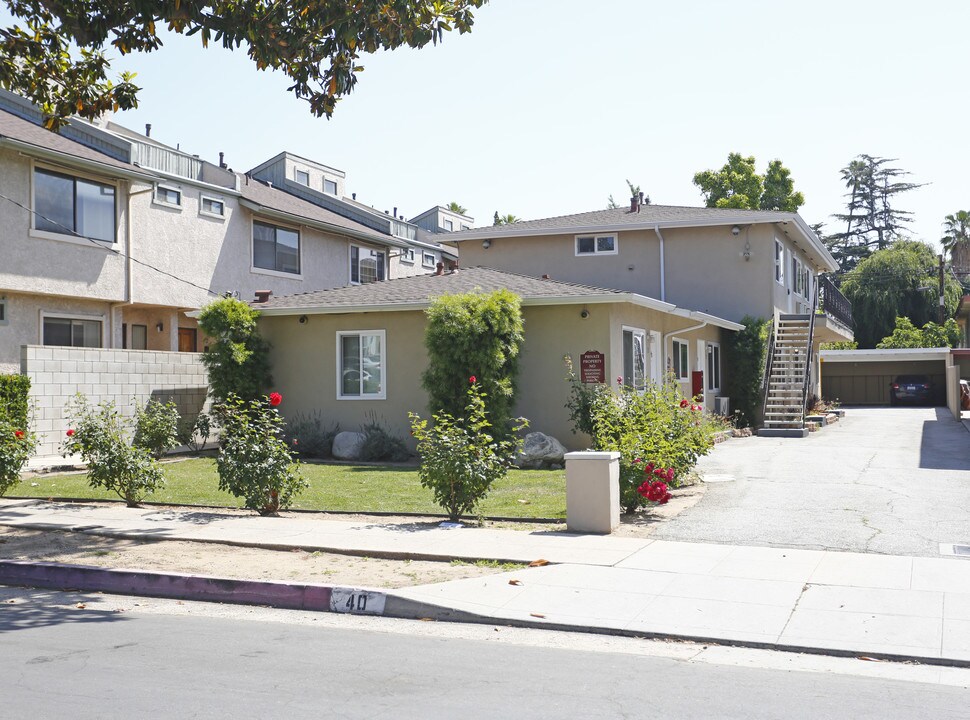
(680, 331)
(663, 269)
(129, 294)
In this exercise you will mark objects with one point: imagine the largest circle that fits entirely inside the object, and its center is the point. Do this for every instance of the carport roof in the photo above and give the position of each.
(875, 355)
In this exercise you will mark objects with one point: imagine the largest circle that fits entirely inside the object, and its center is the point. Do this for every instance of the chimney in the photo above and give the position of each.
(634, 204)
(641, 199)
(222, 161)
(353, 196)
(148, 129)
(440, 269)
(545, 277)
(262, 295)
(395, 211)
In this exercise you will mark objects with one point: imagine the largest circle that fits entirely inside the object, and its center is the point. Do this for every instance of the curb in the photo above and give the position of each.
(330, 598)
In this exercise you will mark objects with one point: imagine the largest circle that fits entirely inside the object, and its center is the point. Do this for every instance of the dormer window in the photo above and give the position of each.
(329, 187)
(596, 245)
(303, 177)
(448, 225)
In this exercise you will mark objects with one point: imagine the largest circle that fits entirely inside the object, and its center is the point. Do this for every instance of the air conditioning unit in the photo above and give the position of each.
(722, 406)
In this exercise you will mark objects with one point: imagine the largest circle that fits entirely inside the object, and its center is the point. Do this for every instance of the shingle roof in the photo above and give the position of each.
(17, 128)
(259, 193)
(419, 288)
(619, 217)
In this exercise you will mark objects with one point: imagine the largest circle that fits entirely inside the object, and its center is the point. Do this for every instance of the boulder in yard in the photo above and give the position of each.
(347, 445)
(540, 450)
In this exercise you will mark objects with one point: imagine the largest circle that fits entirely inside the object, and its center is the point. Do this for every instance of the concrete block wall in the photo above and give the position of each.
(128, 378)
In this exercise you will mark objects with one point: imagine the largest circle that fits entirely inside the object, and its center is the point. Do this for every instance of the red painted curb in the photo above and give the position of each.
(57, 576)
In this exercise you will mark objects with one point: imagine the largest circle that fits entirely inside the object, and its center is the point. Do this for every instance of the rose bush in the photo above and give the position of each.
(16, 446)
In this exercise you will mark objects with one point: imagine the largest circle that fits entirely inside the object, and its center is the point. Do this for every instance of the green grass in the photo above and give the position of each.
(354, 488)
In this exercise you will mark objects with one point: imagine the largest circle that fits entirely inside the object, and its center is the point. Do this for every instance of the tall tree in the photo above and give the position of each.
(871, 221)
(738, 185)
(56, 59)
(504, 219)
(900, 281)
(456, 208)
(956, 242)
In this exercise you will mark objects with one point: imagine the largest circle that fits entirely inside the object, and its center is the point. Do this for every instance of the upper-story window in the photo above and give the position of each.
(596, 245)
(303, 177)
(448, 225)
(69, 205)
(165, 195)
(212, 206)
(779, 263)
(329, 187)
(276, 248)
(366, 265)
(798, 277)
(428, 259)
(407, 255)
(465, 227)
(3, 311)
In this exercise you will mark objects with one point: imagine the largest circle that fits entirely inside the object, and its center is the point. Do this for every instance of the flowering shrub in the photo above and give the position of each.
(655, 490)
(100, 436)
(254, 460)
(156, 427)
(16, 446)
(460, 458)
(656, 423)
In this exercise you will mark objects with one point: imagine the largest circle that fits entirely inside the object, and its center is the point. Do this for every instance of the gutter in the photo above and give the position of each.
(74, 161)
(221, 189)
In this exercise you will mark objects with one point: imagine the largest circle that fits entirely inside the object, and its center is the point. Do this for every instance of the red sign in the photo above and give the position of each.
(592, 367)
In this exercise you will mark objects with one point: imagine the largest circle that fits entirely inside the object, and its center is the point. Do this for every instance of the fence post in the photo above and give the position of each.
(592, 492)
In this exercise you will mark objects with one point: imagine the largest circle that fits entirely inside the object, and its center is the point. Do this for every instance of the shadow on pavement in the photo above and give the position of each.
(48, 608)
(944, 443)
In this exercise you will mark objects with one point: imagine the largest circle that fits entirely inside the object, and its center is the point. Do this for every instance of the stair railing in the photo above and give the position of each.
(808, 358)
(768, 360)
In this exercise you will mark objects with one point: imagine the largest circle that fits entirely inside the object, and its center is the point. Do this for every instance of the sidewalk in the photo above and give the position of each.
(912, 608)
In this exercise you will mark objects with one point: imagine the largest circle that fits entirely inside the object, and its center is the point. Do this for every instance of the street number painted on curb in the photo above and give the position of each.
(358, 602)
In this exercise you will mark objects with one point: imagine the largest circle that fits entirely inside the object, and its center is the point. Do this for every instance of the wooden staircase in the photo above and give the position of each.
(786, 381)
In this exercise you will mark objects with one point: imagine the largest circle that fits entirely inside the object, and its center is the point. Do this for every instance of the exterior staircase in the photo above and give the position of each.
(787, 376)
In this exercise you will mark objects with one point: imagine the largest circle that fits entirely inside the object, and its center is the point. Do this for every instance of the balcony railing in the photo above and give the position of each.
(833, 303)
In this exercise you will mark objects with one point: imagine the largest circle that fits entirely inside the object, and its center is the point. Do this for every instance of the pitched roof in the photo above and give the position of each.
(416, 292)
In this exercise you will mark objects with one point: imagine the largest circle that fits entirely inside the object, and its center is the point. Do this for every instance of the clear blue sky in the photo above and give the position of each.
(549, 105)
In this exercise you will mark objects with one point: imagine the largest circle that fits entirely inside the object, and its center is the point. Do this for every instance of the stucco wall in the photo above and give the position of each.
(126, 377)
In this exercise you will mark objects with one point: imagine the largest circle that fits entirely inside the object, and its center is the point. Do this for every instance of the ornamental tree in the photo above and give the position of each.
(738, 185)
(55, 55)
(238, 357)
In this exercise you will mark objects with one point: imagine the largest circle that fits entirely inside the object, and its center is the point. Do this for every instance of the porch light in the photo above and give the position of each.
(159, 327)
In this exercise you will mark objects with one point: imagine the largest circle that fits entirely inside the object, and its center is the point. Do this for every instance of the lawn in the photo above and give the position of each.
(354, 488)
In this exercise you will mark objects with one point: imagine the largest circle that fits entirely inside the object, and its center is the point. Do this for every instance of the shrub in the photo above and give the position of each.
(17, 443)
(656, 426)
(254, 462)
(460, 458)
(238, 358)
(100, 436)
(195, 433)
(379, 444)
(156, 427)
(745, 353)
(14, 393)
(479, 333)
(307, 436)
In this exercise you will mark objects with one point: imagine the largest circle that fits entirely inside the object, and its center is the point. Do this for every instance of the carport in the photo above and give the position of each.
(863, 377)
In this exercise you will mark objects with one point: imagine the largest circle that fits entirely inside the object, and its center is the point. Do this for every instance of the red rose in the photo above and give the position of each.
(18, 434)
(472, 380)
(684, 403)
(619, 379)
(670, 474)
(70, 433)
(295, 441)
(275, 399)
(648, 468)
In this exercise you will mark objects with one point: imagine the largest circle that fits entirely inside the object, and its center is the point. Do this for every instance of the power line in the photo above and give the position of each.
(114, 251)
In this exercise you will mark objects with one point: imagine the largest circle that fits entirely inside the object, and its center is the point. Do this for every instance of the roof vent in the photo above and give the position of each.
(545, 277)
(263, 295)
(148, 129)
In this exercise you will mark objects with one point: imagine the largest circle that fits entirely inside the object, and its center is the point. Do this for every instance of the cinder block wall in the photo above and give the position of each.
(128, 378)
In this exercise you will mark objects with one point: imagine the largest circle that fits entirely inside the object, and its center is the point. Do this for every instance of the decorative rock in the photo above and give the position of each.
(540, 450)
(347, 445)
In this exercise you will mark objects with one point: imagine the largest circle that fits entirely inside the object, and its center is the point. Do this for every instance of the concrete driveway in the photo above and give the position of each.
(884, 480)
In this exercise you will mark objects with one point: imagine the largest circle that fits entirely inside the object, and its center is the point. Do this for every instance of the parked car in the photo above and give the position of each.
(914, 389)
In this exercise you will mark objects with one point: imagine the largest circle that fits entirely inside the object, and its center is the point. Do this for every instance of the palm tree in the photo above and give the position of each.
(456, 208)
(504, 219)
(956, 241)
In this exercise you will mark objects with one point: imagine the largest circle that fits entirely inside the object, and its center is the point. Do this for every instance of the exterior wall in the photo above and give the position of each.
(286, 165)
(867, 383)
(124, 377)
(402, 268)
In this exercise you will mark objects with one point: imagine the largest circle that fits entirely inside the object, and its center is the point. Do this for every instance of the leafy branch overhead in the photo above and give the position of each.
(55, 55)
(738, 185)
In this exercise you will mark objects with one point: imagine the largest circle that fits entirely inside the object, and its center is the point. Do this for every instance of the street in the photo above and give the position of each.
(98, 656)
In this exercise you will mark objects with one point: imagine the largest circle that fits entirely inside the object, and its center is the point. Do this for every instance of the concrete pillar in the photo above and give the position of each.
(592, 492)
(173, 330)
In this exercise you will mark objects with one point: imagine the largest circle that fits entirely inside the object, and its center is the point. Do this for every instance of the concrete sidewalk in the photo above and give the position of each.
(898, 607)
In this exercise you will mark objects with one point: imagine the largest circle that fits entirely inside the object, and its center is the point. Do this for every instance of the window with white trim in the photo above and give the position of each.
(465, 227)
(165, 195)
(428, 259)
(276, 248)
(779, 263)
(360, 365)
(69, 205)
(216, 207)
(713, 366)
(303, 177)
(596, 245)
(72, 332)
(448, 225)
(366, 265)
(329, 187)
(807, 283)
(634, 358)
(407, 255)
(678, 355)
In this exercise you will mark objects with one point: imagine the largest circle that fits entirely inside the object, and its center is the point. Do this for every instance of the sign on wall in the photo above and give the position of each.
(592, 367)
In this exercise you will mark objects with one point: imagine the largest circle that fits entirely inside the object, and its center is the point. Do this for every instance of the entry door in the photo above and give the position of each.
(187, 339)
(656, 357)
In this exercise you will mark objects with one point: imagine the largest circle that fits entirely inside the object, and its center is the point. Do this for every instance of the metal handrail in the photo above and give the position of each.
(808, 358)
(834, 303)
(767, 379)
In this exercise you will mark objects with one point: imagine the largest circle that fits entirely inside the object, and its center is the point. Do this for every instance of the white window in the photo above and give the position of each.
(407, 255)
(465, 227)
(4, 320)
(428, 259)
(596, 245)
(67, 205)
(634, 358)
(779, 263)
(360, 365)
(216, 207)
(303, 177)
(72, 332)
(713, 366)
(807, 283)
(366, 265)
(448, 225)
(679, 360)
(276, 248)
(329, 187)
(170, 196)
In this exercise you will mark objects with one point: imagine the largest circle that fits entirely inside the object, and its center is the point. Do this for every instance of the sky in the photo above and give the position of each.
(548, 106)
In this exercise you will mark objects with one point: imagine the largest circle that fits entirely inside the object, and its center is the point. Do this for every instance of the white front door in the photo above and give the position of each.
(656, 357)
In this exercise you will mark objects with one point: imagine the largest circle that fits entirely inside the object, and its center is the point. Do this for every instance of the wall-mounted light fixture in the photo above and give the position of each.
(303, 319)
(159, 327)
(486, 244)
(584, 314)
(735, 231)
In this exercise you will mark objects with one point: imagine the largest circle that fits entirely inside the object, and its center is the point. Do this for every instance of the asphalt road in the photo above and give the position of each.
(134, 658)
(884, 480)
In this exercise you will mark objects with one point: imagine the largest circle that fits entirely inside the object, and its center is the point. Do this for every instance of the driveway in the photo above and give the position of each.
(883, 480)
